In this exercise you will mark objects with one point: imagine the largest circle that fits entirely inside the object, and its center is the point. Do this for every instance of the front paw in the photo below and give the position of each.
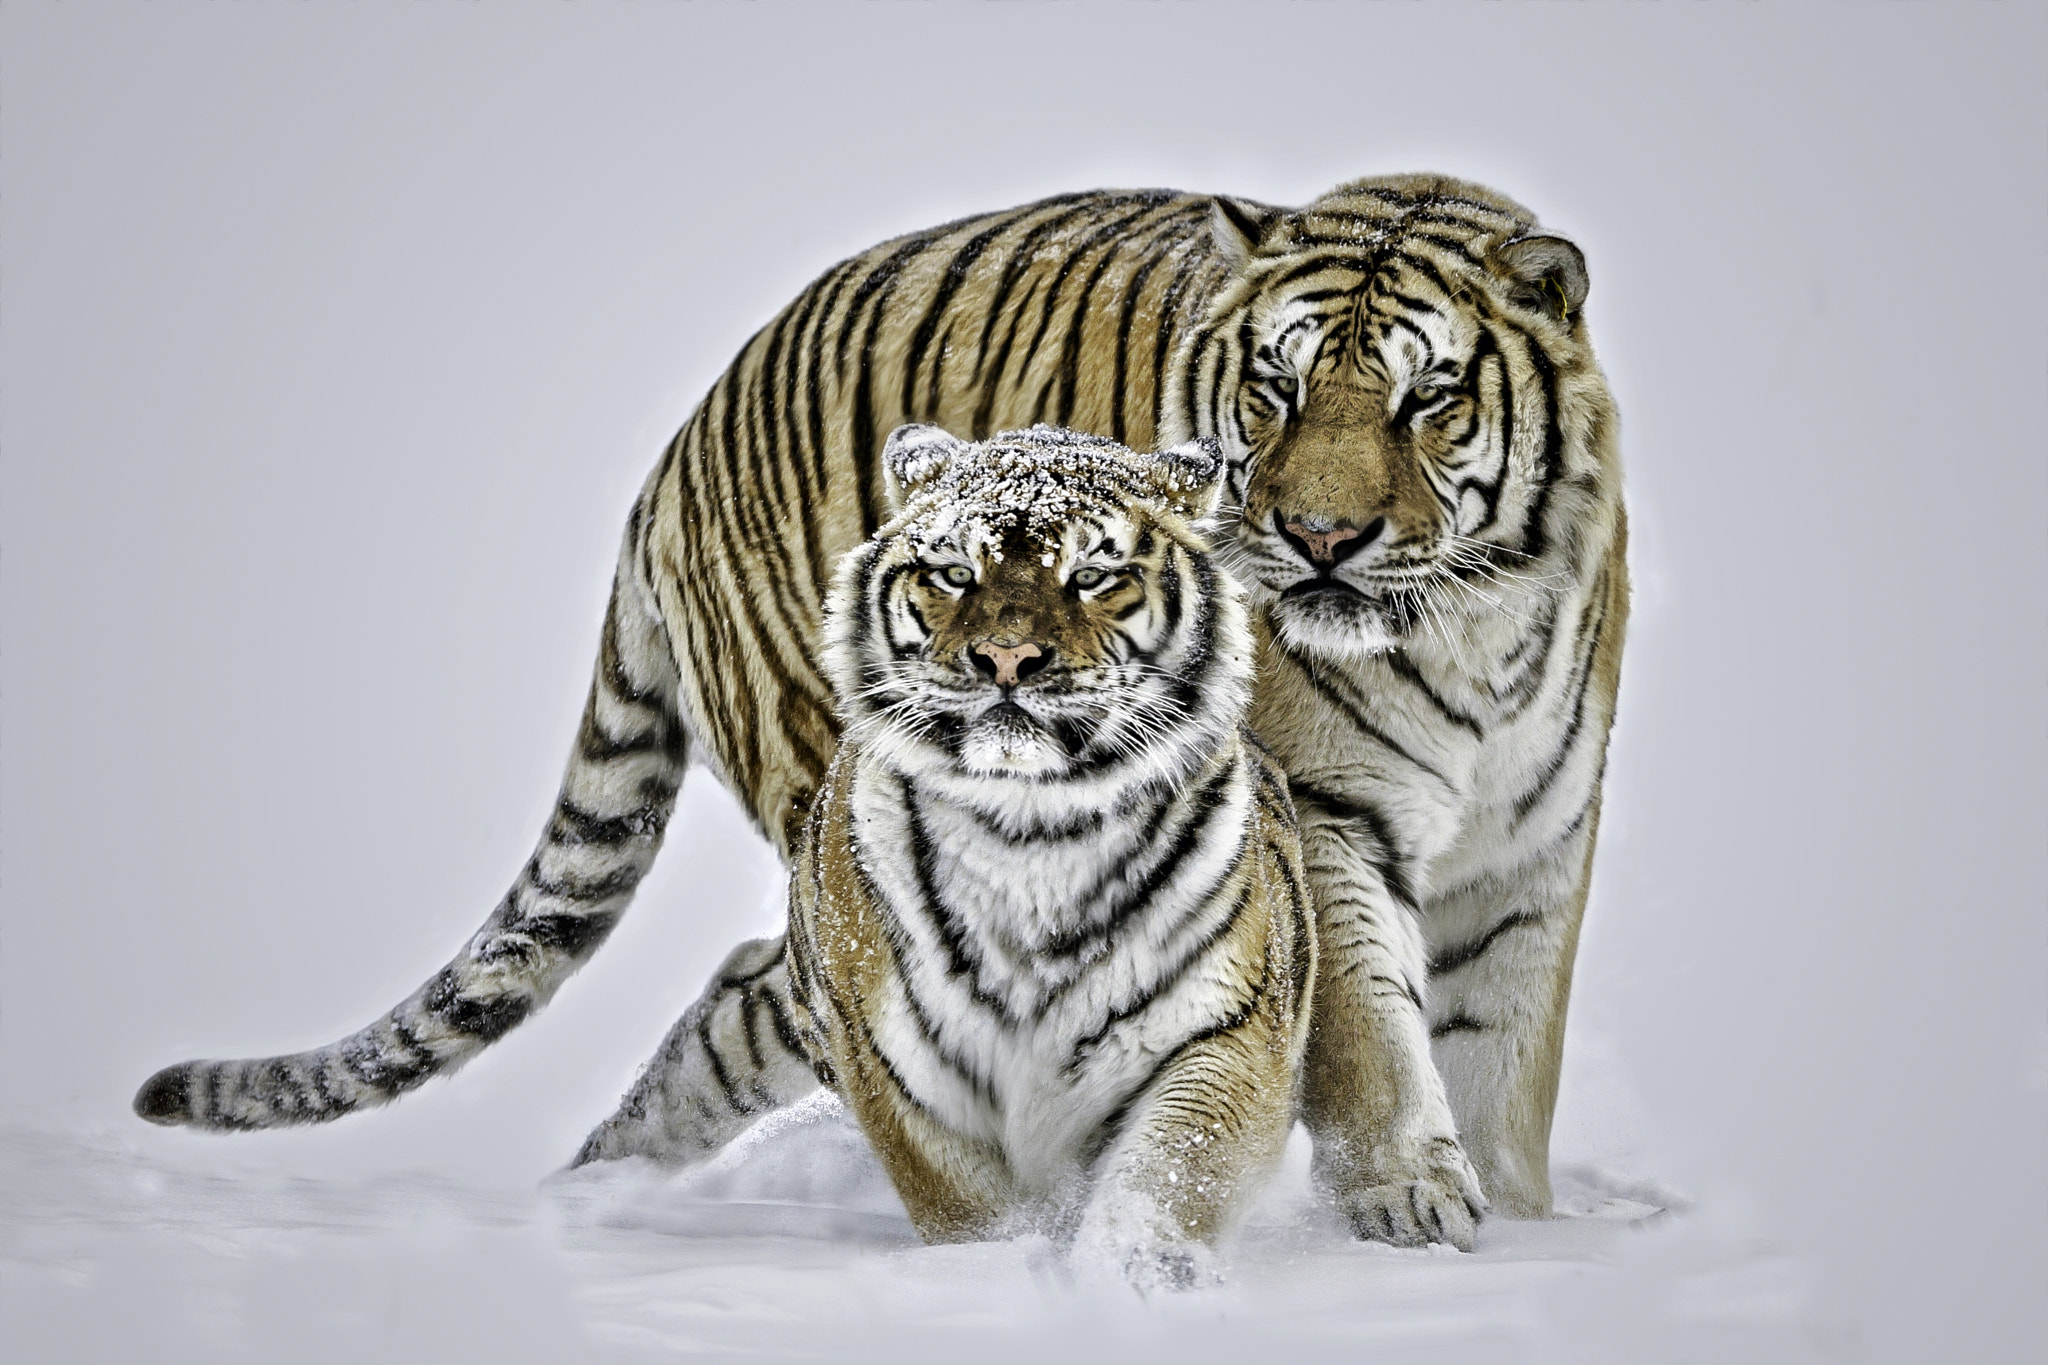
(1433, 1196)
(1171, 1267)
(1129, 1237)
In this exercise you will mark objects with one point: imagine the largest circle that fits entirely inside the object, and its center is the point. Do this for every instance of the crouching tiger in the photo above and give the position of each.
(1050, 937)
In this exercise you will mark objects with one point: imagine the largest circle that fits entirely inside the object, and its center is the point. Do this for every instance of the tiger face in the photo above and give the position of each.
(1040, 608)
(1398, 353)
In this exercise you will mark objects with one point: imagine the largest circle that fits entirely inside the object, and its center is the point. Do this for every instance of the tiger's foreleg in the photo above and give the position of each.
(954, 1187)
(1497, 1016)
(1386, 1147)
(1190, 1156)
(733, 1056)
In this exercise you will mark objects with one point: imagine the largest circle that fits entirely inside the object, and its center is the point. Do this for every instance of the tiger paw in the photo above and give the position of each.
(1151, 1266)
(1171, 1268)
(1128, 1237)
(1434, 1198)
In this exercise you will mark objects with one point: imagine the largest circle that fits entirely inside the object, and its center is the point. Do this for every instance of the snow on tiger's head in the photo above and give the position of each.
(1041, 607)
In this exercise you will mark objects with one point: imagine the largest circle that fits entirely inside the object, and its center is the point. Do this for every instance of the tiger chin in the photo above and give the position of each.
(1050, 934)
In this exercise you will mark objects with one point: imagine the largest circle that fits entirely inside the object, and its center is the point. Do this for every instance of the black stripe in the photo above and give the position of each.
(960, 964)
(600, 747)
(1449, 244)
(1353, 711)
(955, 275)
(1134, 291)
(1112, 238)
(1535, 536)
(834, 324)
(1023, 261)
(487, 1020)
(1112, 1126)
(1427, 268)
(780, 396)
(613, 883)
(1149, 992)
(575, 825)
(1104, 917)
(772, 466)
(1087, 825)
(747, 979)
(1527, 683)
(1169, 332)
(895, 939)
(1405, 669)
(576, 935)
(1391, 862)
(880, 285)
(1451, 959)
(1104, 235)
(759, 530)
(1475, 372)
(785, 1027)
(1300, 923)
(378, 1070)
(733, 1099)
(1583, 681)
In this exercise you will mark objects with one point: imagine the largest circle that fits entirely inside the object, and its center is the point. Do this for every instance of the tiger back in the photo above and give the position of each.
(1049, 929)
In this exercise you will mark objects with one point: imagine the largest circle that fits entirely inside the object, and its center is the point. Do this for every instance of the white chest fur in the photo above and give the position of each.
(1040, 977)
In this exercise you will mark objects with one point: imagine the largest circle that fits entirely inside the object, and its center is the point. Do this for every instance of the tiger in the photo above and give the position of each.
(1423, 498)
(1049, 931)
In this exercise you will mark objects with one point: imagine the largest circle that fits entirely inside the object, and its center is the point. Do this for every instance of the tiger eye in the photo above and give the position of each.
(959, 575)
(1089, 577)
(1427, 392)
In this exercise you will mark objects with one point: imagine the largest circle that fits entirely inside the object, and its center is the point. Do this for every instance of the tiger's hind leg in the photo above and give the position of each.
(733, 1056)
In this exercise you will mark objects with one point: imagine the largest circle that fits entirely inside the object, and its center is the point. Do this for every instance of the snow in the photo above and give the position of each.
(1035, 481)
(791, 1245)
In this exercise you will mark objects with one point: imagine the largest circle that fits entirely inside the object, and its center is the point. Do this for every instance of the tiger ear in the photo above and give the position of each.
(1548, 273)
(914, 455)
(1239, 225)
(1188, 479)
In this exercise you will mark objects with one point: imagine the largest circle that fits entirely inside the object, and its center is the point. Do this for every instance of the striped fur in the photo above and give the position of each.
(1430, 523)
(1050, 927)
(1448, 728)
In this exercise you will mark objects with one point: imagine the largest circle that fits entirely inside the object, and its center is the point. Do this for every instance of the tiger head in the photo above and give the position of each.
(1040, 607)
(1401, 379)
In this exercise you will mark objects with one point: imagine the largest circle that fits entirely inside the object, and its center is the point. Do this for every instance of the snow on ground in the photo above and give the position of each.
(792, 1246)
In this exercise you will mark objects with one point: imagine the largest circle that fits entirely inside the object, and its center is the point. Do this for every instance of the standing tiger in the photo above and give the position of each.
(1424, 457)
(1049, 934)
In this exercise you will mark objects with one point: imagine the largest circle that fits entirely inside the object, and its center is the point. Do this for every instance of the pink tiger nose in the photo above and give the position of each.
(1322, 545)
(1008, 663)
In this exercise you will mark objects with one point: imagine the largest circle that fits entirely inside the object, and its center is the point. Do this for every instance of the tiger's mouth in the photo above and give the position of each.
(1331, 617)
(1005, 737)
(1309, 588)
(1065, 722)
(1008, 712)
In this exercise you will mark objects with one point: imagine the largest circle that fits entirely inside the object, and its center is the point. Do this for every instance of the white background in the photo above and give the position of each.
(335, 340)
